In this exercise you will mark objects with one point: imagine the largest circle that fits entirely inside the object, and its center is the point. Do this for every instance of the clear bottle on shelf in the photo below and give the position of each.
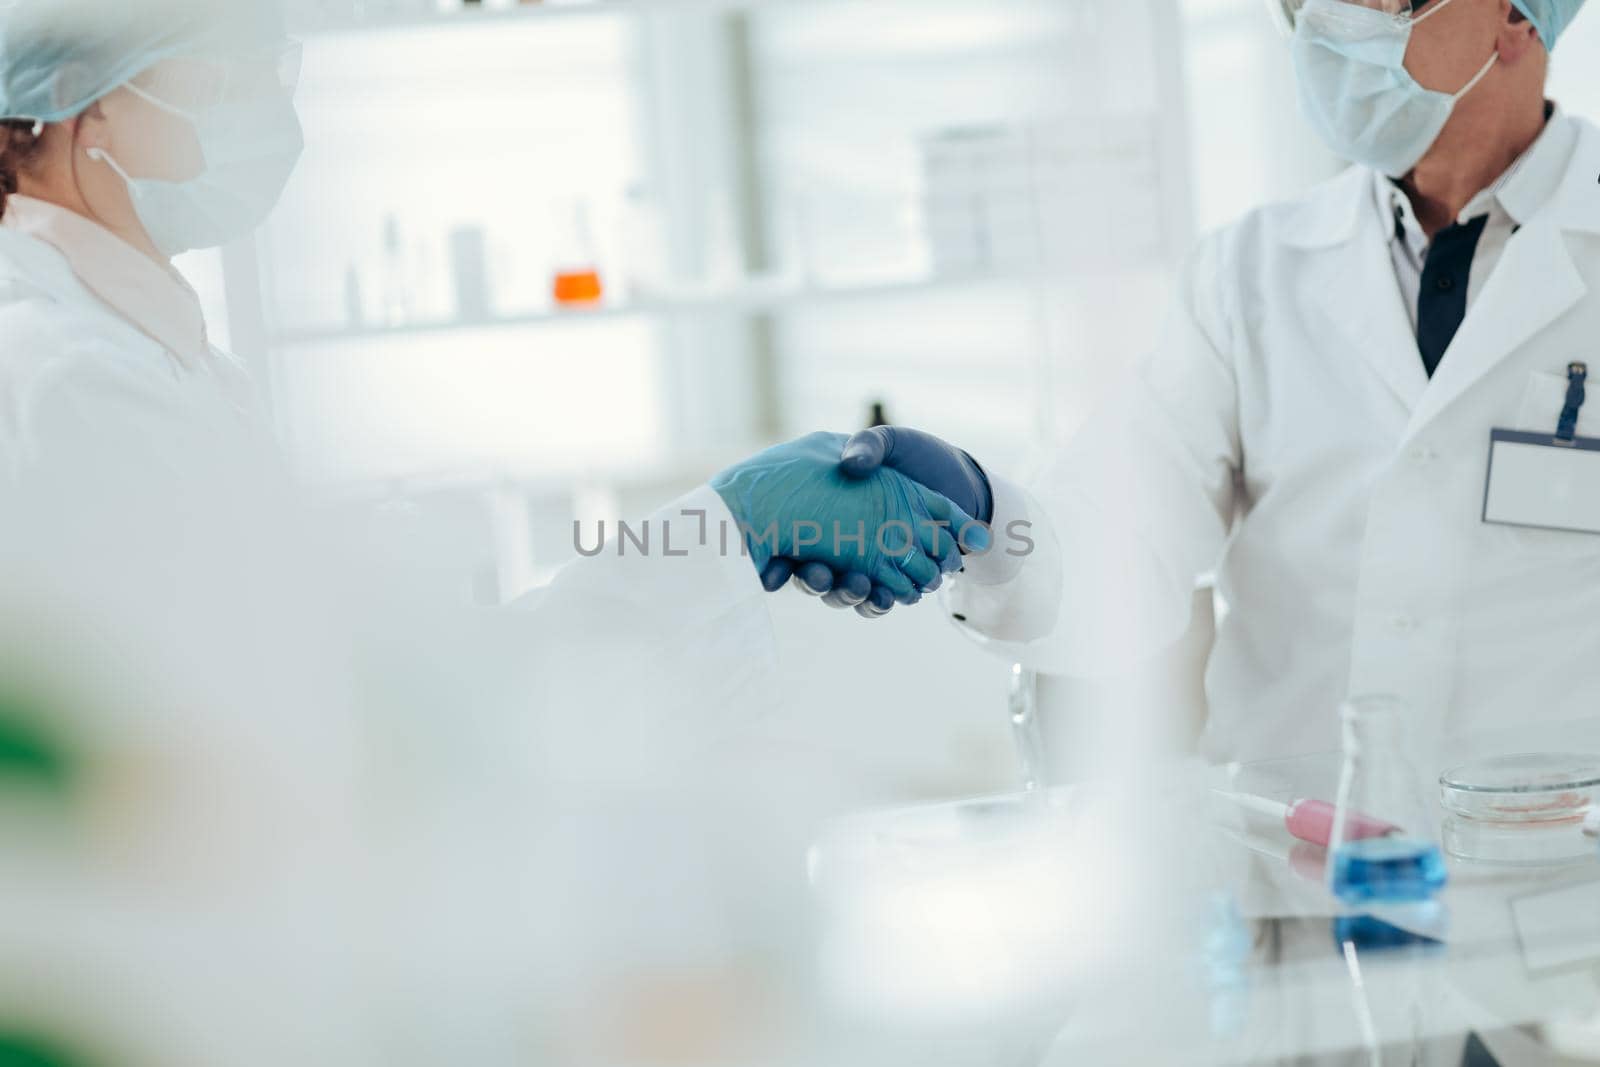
(644, 241)
(397, 295)
(355, 315)
(1384, 847)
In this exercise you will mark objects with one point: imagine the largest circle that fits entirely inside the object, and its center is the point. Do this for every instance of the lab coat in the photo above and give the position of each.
(74, 374)
(330, 781)
(1284, 436)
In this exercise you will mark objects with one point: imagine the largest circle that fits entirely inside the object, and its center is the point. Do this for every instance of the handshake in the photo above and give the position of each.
(865, 522)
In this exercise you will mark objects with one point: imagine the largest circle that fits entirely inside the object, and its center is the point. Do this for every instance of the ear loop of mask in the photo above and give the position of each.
(1482, 71)
(98, 155)
(1428, 14)
(156, 101)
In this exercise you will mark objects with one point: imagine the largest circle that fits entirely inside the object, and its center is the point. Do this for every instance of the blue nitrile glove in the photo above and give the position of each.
(923, 458)
(792, 499)
(920, 456)
(847, 589)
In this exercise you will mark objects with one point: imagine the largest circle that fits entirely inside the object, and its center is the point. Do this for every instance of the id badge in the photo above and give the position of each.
(1544, 481)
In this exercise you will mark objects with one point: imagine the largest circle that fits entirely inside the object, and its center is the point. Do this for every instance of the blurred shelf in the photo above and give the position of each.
(753, 298)
(547, 9)
(673, 471)
(314, 335)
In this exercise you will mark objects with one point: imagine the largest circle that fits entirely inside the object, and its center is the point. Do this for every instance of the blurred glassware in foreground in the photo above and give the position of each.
(1023, 704)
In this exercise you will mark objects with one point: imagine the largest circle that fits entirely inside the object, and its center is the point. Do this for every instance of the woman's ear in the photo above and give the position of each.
(89, 130)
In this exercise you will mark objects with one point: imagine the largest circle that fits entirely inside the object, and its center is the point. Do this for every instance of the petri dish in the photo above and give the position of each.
(1521, 810)
(1528, 788)
(1517, 844)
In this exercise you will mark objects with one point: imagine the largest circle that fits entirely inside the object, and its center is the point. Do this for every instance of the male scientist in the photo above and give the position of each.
(1366, 417)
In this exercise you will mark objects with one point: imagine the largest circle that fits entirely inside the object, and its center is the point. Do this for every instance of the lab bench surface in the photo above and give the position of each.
(1518, 961)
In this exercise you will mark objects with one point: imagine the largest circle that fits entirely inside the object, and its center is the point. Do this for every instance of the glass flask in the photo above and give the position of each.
(576, 278)
(1384, 846)
(1370, 932)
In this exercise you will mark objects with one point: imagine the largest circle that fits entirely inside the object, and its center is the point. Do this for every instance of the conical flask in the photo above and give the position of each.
(1384, 846)
(576, 276)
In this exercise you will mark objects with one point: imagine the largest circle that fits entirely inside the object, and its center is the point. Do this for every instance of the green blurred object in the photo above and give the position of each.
(28, 753)
(27, 1050)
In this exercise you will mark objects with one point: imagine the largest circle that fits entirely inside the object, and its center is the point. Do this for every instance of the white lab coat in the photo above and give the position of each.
(329, 771)
(70, 365)
(1285, 435)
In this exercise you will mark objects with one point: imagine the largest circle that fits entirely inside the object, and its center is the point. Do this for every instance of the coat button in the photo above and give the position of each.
(1403, 624)
(1445, 283)
(1423, 454)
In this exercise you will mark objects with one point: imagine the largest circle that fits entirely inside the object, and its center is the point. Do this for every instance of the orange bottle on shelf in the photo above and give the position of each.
(576, 274)
(578, 287)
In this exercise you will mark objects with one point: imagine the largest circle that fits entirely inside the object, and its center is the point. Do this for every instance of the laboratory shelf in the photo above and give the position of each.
(754, 298)
(678, 468)
(384, 22)
(314, 335)
(546, 9)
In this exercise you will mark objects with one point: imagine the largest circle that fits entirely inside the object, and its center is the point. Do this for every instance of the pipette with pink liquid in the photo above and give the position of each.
(1311, 820)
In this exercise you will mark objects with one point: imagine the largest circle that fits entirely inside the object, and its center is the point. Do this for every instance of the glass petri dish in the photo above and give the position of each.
(1529, 788)
(1517, 844)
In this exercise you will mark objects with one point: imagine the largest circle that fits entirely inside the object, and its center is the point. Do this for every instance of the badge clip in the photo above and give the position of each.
(1567, 428)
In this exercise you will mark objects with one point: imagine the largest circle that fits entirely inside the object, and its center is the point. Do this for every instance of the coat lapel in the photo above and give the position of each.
(1533, 285)
(1354, 283)
(1378, 315)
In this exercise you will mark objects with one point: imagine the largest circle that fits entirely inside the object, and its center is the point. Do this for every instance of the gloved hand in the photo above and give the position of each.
(847, 589)
(796, 504)
(920, 456)
(923, 458)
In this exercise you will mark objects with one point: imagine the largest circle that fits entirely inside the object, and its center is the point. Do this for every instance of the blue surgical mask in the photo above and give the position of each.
(250, 147)
(1349, 61)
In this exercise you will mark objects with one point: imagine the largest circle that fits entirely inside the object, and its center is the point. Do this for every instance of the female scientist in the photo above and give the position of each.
(155, 572)
(132, 463)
